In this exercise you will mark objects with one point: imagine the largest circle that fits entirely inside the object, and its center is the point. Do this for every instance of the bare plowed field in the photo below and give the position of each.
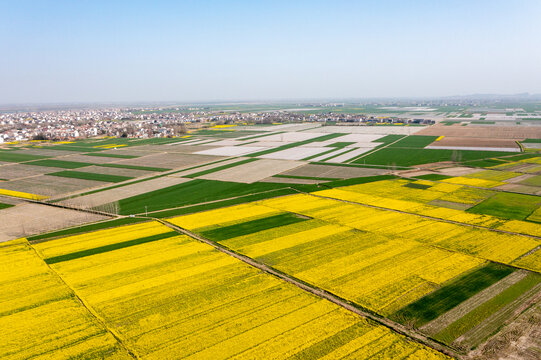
(491, 132)
(27, 219)
(50, 185)
(253, 171)
(107, 196)
(170, 160)
(329, 171)
(16, 171)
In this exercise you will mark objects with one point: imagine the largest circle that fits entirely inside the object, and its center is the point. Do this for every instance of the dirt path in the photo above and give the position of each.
(318, 292)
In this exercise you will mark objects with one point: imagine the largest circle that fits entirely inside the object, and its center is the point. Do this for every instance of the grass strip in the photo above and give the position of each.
(249, 227)
(119, 156)
(356, 181)
(340, 153)
(90, 176)
(447, 297)
(134, 167)
(11, 156)
(320, 154)
(508, 206)
(5, 206)
(483, 311)
(60, 163)
(110, 247)
(295, 144)
(340, 144)
(223, 203)
(87, 228)
(219, 168)
(414, 141)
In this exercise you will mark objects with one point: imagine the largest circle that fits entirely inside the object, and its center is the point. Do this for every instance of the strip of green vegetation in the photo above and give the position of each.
(483, 311)
(219, 168)
(90, 176)
(196, 192)
(295, 144)
(11, 156)
(483, 122)
(320, 154)
(5, 206)
(433, 177)
(414, 141)
(60, 164)
(110, 247)
(417, 186)
(249, 227)
(508, 206)
(532, 140)
(485, 163)
(227, 133)
(450, 295)
(134, 167)
(340, 153)
(412, 156)
(75, 148)
(304, 177)
(341, 144)
(533, 181)
(119, 156)
(450, 122)
(387, 139)
(520, 157)
(87, 228)
(220, 204)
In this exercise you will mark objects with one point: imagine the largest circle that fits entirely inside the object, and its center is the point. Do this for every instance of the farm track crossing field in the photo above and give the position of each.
(176, 297)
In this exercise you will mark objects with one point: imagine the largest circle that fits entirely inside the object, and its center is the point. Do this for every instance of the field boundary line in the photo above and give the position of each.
(98, 318)
(398, 328)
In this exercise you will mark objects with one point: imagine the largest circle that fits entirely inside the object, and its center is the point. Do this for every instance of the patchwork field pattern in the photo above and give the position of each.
(170, 296)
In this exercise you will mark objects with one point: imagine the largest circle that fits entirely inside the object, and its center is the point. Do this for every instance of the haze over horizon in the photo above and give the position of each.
(129, 51)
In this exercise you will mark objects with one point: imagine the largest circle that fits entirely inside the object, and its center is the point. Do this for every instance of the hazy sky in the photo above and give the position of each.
(75, 50)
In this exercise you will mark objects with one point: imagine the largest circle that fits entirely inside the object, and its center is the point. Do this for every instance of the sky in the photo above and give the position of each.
(255, 50)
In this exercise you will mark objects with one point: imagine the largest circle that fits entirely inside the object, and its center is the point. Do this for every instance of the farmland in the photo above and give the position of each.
(295, 241)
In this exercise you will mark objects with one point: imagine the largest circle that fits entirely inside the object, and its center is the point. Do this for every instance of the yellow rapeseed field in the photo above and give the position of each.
(180, 298)
(473, 182)
(222, 216)
(22, 195)
(40, 316)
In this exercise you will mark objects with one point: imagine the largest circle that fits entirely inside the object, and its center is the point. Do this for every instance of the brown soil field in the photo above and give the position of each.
(50, 185)
(107, 196)
(519, 178)
(171, 160)
(253, 171)
(29, 219)
(329, 171)
(476, 142)
(493, 132)
(450, 204)
(16, 171)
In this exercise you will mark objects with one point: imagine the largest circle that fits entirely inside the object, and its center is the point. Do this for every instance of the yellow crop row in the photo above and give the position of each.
(493, 175)
(40, 316)
(22, 195)
(179, 298)
(473, 182)
(531, 261)
(96, 239)
(222, 216)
